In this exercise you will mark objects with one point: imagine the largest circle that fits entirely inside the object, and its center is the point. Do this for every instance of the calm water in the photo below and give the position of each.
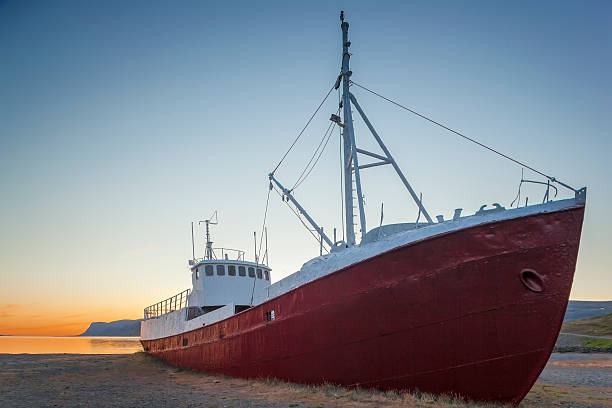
(73, 345)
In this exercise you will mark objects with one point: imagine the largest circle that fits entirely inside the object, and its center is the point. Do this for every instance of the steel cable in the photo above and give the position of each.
(325, 138)
(554, 180)
(303, 129)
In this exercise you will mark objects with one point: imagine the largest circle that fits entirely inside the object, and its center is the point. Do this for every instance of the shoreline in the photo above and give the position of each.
(578, 380)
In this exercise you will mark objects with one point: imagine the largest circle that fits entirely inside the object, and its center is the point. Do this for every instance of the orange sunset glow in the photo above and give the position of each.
(21, 320)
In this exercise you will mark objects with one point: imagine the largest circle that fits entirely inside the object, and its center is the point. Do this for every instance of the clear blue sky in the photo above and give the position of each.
(121, 122)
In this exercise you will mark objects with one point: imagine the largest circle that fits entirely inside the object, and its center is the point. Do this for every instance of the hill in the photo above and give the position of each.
(581, 309)
(586, 335)
(594, 326)
(116, 328)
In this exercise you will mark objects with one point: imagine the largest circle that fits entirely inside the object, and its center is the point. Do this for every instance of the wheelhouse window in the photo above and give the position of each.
(231, 270)
(267, 274)
(220, 270)
(197, 273)
(208, 269)
(259, 274)
(241, 271)
(251, 272)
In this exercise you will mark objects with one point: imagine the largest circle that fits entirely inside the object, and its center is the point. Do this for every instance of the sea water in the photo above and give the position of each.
(70, 345)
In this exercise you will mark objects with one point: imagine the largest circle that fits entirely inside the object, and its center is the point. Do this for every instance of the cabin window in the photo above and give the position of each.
(231, 270)
(241, 271)
(220, 269)
(270, 316)
(267, 275)
(259, 275)
(251, 272)
(208, 269)
(197, 273)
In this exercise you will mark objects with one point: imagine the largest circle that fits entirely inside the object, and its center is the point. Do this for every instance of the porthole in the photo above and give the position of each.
(532, 280)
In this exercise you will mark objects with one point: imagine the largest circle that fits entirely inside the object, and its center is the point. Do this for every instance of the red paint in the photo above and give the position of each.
(452, 313)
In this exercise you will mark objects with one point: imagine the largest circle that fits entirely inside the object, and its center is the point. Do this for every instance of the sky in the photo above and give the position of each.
(121, 122)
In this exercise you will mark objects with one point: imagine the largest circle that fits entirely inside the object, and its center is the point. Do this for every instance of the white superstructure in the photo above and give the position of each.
(222, 283)
(217, 283)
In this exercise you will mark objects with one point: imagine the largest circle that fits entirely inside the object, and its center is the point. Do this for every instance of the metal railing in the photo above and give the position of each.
(171, 304)
(231, 254)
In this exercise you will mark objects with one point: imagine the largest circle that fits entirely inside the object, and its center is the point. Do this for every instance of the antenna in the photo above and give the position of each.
(255, 239)
(192, 243)
(209, 254)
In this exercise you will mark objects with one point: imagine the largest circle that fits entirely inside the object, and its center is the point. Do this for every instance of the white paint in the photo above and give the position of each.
(175, 322)
(217, 290)
(235, 289)
(326, 264)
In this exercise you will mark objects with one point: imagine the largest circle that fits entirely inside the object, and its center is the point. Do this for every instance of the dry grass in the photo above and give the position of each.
(548, 395)
(332, 395)
(142, 381)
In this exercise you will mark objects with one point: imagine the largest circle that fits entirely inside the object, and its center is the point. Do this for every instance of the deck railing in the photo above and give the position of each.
(222, 253)
(171, 304)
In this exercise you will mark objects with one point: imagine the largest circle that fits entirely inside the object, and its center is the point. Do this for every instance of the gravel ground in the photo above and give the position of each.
(579, 369)
(136, 380)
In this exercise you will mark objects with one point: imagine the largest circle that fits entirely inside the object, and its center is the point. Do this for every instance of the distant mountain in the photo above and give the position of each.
(581, 309)
(116, 328)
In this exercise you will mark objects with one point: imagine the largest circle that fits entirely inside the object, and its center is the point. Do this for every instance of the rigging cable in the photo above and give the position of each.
(554, 180)
(326, 138)
(282, 196)
(264, 222)
(303, 129)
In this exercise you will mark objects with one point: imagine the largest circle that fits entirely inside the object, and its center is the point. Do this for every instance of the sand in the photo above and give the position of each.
(137, 380)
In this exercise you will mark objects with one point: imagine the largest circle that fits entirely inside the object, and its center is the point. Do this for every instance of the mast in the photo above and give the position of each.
(351, 164)
(208, 241)
(350, 157)
(208, 252)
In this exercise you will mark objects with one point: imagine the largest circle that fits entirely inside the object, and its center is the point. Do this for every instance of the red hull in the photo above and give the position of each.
(446, 314)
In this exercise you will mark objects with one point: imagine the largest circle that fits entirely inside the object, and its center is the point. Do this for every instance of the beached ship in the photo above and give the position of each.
(471, 305)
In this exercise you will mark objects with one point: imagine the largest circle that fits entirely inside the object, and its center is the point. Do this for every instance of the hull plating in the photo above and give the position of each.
(474, 312)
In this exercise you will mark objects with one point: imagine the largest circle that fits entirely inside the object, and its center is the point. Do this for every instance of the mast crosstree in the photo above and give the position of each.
(351, 161)
(352, 169)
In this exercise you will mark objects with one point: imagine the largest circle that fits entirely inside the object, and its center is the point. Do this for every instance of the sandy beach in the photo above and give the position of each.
(137, 380)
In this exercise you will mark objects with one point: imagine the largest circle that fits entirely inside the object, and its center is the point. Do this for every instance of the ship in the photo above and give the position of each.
(470, 306)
